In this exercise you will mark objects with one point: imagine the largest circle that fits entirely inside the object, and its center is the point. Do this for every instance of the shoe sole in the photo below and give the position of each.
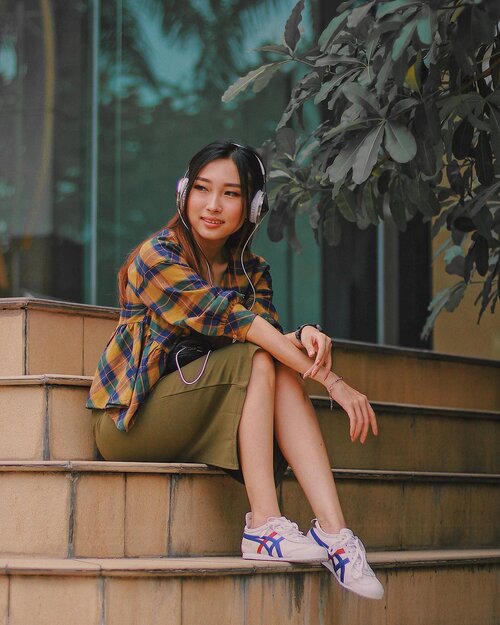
(259, 556)
(329, 566)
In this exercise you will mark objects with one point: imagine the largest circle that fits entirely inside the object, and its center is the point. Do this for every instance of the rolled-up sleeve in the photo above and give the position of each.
(173, 291)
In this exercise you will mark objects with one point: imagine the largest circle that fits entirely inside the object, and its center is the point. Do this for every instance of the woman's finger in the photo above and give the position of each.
(328, 362)
(359, 421)
(366, 421)
(373, 420)
(352, 422)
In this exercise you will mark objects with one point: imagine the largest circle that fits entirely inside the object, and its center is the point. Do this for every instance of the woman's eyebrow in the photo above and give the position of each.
(226, 184)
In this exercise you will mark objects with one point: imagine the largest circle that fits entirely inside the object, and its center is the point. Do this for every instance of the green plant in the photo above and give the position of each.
(409, 91)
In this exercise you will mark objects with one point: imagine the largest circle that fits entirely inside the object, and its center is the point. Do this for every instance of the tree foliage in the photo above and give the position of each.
(409, 91)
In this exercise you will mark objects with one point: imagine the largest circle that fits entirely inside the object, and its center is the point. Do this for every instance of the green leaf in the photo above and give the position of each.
(357, 94)
(367, 155)
(403, 105)
(455, 297)
(424, 198)
(344, 160)
(484, 160)
(426, 25)
(436, 306)
(452, 252)
(426, 156)
(346, 202)
(292, 32)
(331, 30)
(385, 8)
(285, 142)
(274, 48)
(329, 85)
(384, 74)
(462, 139)
(494, 118)
(344, 127)
(242, 83)
(357, 14)
(397, 203)
(263, 80)
(399, 142)
(403, 39)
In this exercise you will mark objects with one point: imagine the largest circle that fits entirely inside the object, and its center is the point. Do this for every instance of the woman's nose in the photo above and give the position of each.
(213, 202)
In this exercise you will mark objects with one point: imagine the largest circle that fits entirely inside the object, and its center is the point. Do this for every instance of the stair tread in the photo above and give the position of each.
(49, 305)
(46, 378)
(231, 565)
(104, 466)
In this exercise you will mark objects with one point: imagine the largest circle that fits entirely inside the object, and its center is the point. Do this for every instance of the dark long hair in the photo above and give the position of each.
(251, 179)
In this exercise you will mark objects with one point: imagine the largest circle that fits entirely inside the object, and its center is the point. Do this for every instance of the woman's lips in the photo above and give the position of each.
(211, 223)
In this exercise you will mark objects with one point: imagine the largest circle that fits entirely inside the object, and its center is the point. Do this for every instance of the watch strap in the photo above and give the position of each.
(298, 331)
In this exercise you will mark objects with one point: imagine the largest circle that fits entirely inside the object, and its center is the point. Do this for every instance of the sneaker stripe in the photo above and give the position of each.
(263, 540)
(339, 563)
(317, 538)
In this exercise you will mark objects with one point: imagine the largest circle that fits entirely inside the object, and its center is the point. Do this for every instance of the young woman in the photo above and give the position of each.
(240, 406)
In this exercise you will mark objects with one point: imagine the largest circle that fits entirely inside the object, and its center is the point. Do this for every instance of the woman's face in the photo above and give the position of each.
(215, 204)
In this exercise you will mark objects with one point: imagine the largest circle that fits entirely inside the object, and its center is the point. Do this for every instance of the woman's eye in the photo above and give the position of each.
(199, 187)
(233, 193)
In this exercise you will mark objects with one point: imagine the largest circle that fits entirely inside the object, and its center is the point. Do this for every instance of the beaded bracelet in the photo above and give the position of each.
(330, 390)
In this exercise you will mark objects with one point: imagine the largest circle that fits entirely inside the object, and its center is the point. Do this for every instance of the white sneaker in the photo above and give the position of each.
(347, 561)
(279, 539)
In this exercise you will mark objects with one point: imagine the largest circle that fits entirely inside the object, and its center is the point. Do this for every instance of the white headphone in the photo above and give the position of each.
(256, 204)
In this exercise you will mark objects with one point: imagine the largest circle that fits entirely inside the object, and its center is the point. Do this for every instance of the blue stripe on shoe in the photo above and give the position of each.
(262, 540)
(317, 538)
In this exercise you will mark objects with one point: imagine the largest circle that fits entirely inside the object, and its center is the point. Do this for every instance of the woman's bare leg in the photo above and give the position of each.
(256, 438)
(301, 441)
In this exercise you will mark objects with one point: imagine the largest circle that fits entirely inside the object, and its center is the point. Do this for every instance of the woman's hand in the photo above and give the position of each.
(316, 344)
(357, 406)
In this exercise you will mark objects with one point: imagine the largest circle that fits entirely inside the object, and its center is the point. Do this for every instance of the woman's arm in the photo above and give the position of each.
(361, 415)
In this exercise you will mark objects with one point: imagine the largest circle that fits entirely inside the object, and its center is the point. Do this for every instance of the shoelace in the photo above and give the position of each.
(355, 551)
(287, 528)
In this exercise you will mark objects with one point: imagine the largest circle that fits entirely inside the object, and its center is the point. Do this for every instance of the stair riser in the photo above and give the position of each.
(45, 422)
(415, 442)
(428, 381)
(49, 422)
(40, 341)
(73, 514)
(437, 597)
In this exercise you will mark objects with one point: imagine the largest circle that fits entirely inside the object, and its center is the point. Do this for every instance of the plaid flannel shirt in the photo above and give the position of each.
(166, 299)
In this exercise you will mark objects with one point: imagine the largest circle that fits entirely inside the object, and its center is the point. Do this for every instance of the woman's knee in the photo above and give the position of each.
(263, 365)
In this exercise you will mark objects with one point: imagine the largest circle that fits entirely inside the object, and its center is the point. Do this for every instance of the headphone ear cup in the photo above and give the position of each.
(256, 206)
(182, 186)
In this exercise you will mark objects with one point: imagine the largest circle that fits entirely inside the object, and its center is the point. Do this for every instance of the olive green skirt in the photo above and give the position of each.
(195, 423)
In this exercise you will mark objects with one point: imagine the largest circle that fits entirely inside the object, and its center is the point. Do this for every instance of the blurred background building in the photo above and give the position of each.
(102, 103)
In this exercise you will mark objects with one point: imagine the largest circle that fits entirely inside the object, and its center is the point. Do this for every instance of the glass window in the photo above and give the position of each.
(103, 103)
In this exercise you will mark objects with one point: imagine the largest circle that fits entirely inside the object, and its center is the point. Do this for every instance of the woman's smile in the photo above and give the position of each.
(210, 222)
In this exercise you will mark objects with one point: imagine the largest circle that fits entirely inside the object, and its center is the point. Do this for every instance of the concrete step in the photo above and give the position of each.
(415, 438)
(42, 337)
(434, 587)
(45, 336)
(44, 418)
(113, 509)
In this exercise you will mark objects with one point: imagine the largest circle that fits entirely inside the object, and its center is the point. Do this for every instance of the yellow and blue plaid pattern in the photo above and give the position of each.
(166, 299)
